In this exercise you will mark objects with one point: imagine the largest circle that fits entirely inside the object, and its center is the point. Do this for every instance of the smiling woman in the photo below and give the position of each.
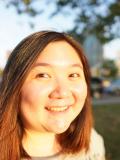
(45, 106)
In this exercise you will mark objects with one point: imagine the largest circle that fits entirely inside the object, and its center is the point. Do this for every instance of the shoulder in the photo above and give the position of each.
(97, 147)
(95, 152)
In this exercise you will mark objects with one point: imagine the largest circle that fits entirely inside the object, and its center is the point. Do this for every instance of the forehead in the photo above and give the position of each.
(59, 53)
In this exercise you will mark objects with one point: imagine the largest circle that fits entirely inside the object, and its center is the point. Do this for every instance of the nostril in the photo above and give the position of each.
(60, 93)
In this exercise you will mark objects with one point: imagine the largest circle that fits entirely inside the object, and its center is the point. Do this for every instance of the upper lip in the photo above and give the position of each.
(60, 103)
(58, 106)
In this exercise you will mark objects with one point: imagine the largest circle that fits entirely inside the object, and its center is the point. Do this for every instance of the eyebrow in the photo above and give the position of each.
(51, 65)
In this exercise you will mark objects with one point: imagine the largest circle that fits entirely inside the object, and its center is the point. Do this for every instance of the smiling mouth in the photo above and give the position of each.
(57, 109)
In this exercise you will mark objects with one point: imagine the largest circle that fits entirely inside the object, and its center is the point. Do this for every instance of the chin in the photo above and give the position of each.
(60, 130)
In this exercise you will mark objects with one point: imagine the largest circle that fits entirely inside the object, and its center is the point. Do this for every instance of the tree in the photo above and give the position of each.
(95, 17)
(109, 69)
(91, 16)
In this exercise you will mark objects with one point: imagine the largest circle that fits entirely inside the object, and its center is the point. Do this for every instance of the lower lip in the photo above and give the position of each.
(58, 112)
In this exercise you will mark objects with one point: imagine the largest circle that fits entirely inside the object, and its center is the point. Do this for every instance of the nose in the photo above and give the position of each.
(61, 90)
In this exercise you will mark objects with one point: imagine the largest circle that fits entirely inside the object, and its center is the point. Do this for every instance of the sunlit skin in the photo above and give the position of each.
(53, 94)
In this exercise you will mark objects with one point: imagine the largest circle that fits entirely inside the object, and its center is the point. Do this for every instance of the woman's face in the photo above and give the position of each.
(54, 91)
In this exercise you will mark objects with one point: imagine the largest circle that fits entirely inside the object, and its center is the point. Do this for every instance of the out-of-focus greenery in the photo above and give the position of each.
(109, 69)
(1, 71)
(107, 123)
(97, 17)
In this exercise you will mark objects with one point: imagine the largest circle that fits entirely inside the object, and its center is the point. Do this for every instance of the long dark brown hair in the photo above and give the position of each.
(77, 137)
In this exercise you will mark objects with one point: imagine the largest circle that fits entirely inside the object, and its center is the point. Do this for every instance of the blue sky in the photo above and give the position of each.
(13, 28)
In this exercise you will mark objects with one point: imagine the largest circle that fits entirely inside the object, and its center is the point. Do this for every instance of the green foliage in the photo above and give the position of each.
(92, 16)
(109, 69)
(1, 71)
(115, 9)
(100, 23)
(107, 123)
(27, 2)
(62, 2)
(24, 7)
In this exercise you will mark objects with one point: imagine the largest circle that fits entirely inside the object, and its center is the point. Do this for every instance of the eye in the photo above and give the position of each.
(74, 75)
(43, 75)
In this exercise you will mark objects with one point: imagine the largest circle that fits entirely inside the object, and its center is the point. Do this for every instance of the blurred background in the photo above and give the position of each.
(96, 25)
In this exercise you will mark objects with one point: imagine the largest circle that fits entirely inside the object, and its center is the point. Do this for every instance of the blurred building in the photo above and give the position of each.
(93, 49)
(94, 53)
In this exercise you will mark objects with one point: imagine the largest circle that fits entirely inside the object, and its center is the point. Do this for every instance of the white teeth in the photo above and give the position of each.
(58, 109)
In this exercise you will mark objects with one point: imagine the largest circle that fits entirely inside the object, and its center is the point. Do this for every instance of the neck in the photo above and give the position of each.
(39, 144)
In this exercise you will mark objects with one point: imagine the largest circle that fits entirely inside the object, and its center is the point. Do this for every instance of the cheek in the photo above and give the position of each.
(34, 94)
(81, 91)
(80, 94)
(29, 95)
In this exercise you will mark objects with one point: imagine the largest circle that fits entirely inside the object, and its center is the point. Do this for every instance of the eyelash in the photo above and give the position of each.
(43, 75)
(76, 75)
